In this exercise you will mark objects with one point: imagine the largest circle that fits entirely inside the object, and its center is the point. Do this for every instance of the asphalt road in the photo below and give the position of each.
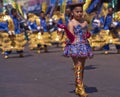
(51, 75)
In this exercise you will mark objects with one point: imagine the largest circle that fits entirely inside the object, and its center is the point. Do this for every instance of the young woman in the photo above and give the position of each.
(78, 49)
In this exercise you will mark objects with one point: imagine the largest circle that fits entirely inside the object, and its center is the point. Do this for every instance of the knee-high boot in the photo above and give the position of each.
(79, 81)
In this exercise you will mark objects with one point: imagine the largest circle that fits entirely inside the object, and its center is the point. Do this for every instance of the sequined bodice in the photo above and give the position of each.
(79, 34)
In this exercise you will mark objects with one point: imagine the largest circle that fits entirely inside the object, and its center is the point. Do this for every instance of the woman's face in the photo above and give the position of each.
(67, 11)
(110, 11)
(77, 13)
(15, 13)
(42, 15)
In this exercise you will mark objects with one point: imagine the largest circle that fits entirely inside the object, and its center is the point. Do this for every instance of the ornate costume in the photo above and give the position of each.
(38, 39)
(13, 39)
(96, 40)
(35, 36)
(80, 47)
(45, 34)
(57, 35)
(110, 36)
(3, 29)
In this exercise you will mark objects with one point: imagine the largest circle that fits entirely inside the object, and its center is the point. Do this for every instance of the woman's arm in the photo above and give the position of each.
(70, 27)
(69, 31)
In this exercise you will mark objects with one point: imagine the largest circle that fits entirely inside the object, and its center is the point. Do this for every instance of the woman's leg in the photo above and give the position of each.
(45, 48)
(79, 71)
(82, 63)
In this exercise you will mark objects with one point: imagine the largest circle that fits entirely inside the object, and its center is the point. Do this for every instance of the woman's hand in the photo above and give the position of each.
(84, 24)
(62, 26)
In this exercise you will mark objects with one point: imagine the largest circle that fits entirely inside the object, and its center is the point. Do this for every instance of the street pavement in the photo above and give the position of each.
(51, 75)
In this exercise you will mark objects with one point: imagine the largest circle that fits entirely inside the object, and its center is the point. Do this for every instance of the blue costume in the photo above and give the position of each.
(33, 26)
(81, 47)
(60, 21)
(16, 25)
(95, 25)
(4, 26)
(44, 24)
(17, 31)
(107, 23)
(118, 24)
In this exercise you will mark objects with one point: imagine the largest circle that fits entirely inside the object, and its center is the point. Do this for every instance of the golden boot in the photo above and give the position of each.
(80, 91)
(79, 81)
(45, 48)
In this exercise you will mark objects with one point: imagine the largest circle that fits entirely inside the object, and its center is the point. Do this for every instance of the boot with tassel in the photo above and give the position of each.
(79, 82)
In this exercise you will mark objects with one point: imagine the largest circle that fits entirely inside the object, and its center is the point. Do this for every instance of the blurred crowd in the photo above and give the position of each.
(39, 31)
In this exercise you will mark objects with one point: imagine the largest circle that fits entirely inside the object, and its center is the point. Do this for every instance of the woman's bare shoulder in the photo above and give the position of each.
(71, 23)
(85, 22)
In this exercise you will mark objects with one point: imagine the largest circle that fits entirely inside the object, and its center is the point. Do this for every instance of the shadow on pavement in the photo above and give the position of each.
(89, 67)
(102, 53)
(87, 89)
(91, 89)
(17, 56)
(53, 51)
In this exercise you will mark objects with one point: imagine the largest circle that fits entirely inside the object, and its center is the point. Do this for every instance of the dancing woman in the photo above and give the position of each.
(78, 47)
